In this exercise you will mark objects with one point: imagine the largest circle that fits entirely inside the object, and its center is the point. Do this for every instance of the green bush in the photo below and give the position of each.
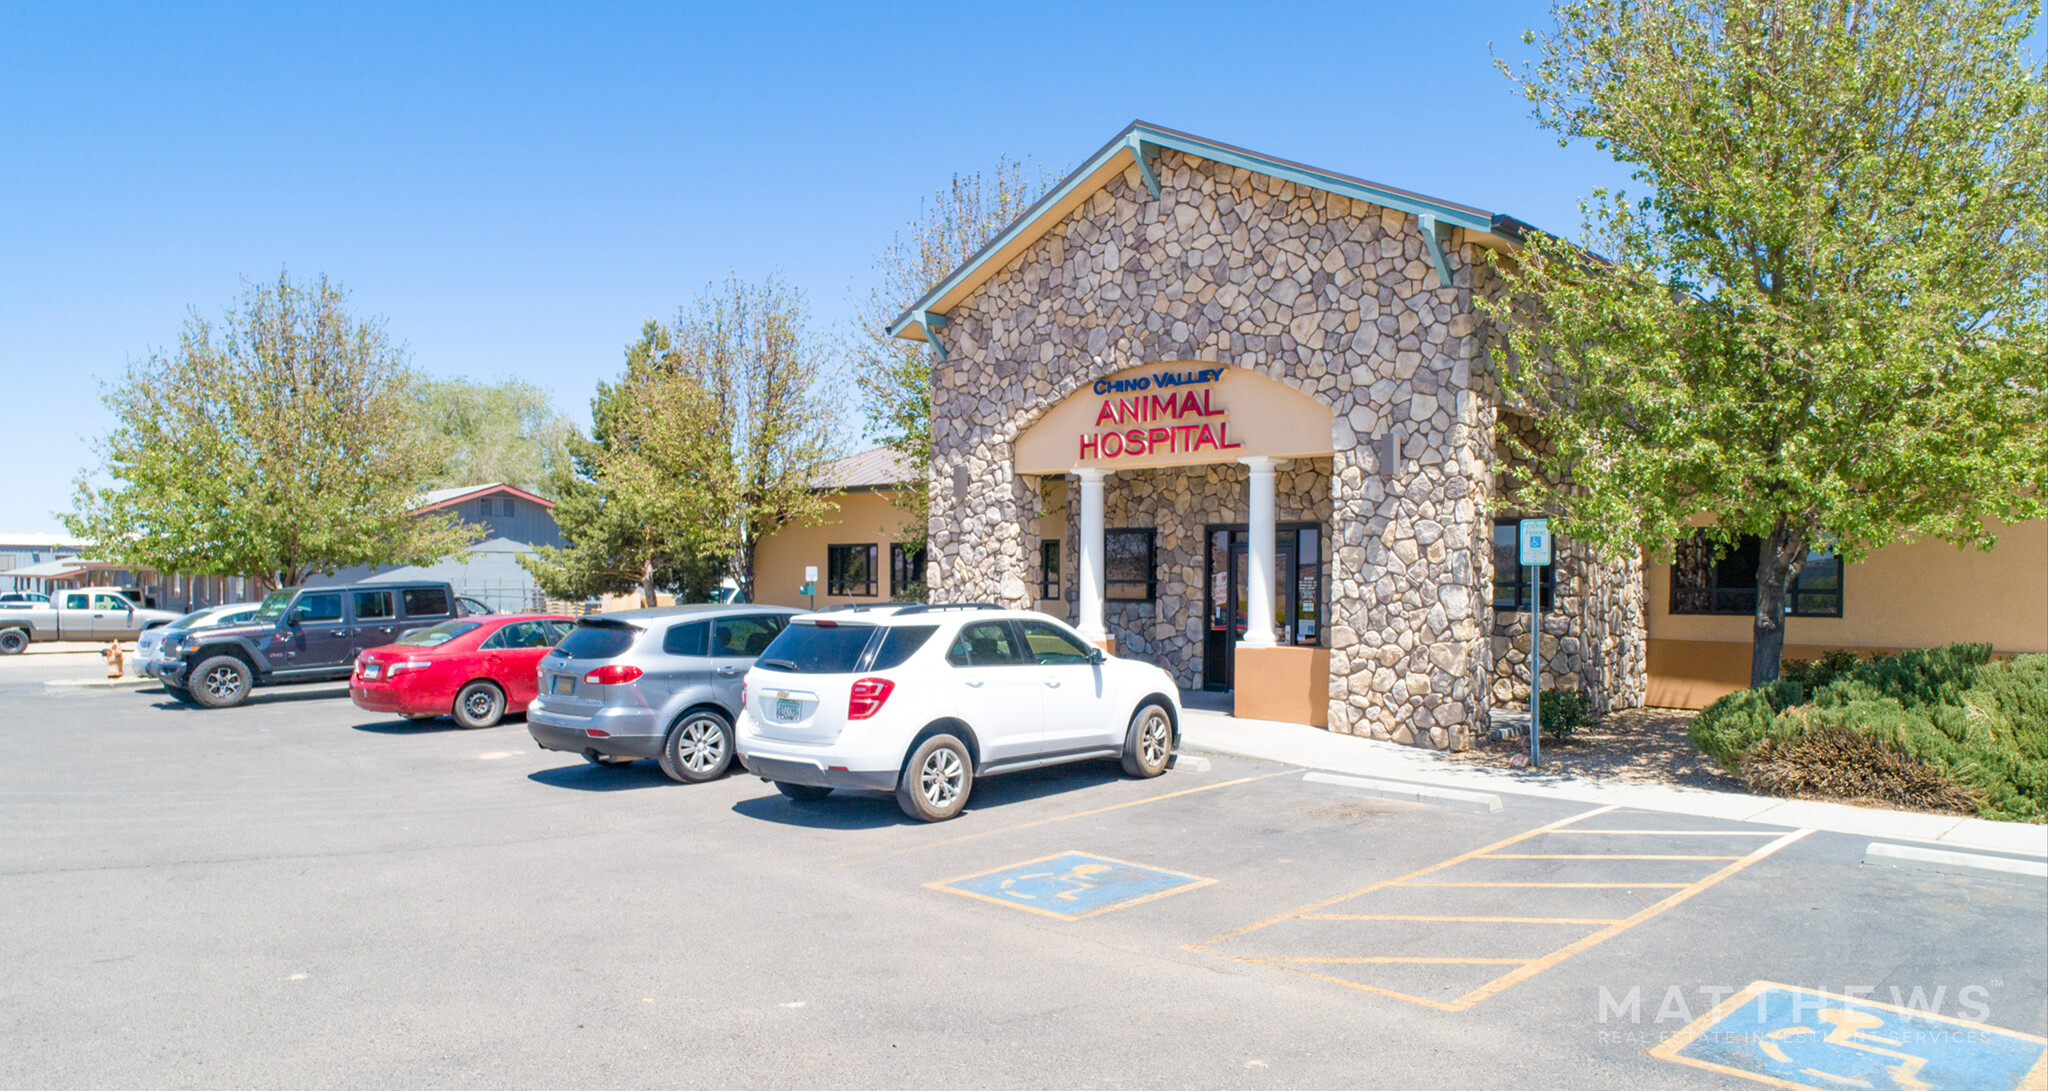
(1979, 724)
(1564, 712)
(1812, 674)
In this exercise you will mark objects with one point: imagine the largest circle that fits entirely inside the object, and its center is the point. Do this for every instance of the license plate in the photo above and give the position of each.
(786, 709)
(371, 671)
(562, 684)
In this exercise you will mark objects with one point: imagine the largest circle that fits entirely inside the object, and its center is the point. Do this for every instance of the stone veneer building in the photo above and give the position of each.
(1264, 394)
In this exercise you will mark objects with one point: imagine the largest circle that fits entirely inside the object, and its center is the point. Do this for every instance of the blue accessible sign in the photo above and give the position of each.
(1786, 1036)
(1071, 885)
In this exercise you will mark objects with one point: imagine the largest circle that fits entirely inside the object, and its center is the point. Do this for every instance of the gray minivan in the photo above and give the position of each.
(662, 683)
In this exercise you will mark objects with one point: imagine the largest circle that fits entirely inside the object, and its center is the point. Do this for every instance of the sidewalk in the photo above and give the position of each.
(1315, 748)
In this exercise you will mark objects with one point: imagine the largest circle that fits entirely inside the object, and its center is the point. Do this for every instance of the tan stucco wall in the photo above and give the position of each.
(857, 519)
(1915, 595)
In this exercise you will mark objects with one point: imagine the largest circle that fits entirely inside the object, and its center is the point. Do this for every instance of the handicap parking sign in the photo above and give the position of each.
(1071, 885)
(1792, 1037)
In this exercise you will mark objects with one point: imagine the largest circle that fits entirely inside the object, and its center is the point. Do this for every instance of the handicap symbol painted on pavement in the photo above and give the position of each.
(1071, 885)
(1786, 1036)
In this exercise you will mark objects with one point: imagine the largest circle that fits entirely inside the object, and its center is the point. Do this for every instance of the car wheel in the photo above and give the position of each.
(803, 793)
(479, 704)
(1148, 745)
(13, 642)
(699, 748)
(220, 682)
(936, 780)
(608, 761)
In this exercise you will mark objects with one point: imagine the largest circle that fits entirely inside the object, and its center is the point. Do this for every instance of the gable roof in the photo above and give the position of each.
(879, 468)
(436, 499)
(1137, 145)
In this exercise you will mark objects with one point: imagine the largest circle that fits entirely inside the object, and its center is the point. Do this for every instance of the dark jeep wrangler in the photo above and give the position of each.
(300, 634)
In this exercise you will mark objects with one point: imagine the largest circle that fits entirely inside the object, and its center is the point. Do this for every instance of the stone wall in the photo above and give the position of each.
(1594, 635)
(1180, 503)
(1333, 297)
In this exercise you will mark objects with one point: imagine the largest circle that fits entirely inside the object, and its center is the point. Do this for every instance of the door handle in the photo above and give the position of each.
(974, 685)
(338, 632)
(728, 672)
(1052, 685)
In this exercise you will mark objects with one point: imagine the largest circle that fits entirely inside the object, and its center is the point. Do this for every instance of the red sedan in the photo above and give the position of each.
(476, 669)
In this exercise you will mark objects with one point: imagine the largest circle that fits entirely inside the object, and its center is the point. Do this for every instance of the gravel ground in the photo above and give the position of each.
(1640, 746)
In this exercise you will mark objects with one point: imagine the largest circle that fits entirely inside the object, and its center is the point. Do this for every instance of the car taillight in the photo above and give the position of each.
(868, 696)
(613, 674)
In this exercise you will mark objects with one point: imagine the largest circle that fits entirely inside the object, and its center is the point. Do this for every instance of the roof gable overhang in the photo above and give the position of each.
(483, 491)
(1138, 146)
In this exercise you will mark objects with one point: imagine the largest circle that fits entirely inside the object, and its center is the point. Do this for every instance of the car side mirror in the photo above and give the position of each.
(1095, 657)
(295, 618)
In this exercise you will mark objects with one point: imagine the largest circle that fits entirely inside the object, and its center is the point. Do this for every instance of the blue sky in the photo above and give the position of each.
(516, 188)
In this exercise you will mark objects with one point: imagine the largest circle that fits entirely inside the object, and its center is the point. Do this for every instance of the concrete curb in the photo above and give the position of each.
(1956, 863)
(102, 683)
(1481, 802)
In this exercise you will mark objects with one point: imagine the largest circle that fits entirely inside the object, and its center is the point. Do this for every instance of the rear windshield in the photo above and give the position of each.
(433, 636)
(189, 620)
(815, 649)
(597, 642)
(902, 642)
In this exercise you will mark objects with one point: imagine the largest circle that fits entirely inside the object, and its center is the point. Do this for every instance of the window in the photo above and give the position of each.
(1703, 583)
(593, 641)
(521, 634)
(1053, 646)
(985, 644)
(815, 649)
(850, 570)
(433, 636)
(321, 607)
(77, 602)
(1130, 565)
(744, 636)
(505, 506)
(690, 639)
(1049, 570)
(484, 507)
(373, 606)
(111, 602)
(905, 568)
(425, 601)
(1511, 577)
(900, 642)
(560, 629)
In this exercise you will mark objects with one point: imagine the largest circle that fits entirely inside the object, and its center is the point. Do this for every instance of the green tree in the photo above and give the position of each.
(615, 545)
(705, 446)
(894, 377)
(277, 444)
(507, 431)
(1824, 326)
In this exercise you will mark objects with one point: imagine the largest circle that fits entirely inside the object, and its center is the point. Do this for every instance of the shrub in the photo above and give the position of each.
(1564, 712)
(1976, 727)
(1815, 673)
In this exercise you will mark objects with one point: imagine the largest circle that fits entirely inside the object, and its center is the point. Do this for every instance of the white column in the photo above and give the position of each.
(1258, 631)
(1089, 582)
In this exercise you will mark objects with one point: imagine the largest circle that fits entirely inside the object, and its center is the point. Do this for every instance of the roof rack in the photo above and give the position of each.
(929, 607)
(864, 607)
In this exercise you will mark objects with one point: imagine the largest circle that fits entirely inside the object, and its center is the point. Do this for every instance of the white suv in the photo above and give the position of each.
(920, 700)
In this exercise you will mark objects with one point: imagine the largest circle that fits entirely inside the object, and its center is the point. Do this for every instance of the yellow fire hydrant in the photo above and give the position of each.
(115, 660)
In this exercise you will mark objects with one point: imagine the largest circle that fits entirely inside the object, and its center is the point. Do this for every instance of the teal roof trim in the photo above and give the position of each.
(1142, 141)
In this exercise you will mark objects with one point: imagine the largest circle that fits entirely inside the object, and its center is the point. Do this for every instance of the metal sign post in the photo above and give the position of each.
(810, 588)
(1535, 554)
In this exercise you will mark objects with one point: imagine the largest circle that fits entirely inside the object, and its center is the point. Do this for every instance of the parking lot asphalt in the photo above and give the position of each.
(296, 893)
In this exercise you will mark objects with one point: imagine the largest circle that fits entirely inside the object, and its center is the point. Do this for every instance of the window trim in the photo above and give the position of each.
(1792, 594)
(1050, 553)
(901, 563)
(834, 573)
(1151, 581)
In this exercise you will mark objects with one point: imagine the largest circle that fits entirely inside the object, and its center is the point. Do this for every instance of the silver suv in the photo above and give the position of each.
(661, 683)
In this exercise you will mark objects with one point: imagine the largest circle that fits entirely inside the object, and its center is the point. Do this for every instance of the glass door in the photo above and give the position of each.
(1299, 561)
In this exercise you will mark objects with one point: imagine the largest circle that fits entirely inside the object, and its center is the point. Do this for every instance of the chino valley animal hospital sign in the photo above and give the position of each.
(1173, 414)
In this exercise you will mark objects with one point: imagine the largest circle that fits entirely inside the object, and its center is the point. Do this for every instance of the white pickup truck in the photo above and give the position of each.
(89, 613)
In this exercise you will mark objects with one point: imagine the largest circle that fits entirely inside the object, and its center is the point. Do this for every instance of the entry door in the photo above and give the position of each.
(1297, 594)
